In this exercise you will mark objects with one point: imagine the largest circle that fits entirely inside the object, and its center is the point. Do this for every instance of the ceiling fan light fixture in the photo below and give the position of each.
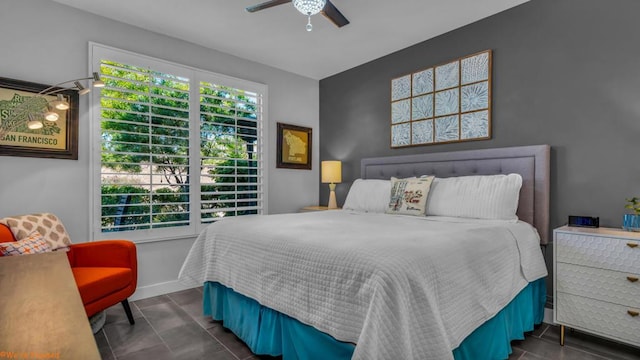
(309, 8)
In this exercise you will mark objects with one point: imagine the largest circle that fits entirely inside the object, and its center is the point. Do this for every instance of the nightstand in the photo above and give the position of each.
(595, 284)
(316, 208)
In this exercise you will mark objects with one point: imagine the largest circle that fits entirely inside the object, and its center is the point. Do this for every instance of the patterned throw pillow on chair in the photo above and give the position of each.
(33, 244)
(409, 196)
(46, 224)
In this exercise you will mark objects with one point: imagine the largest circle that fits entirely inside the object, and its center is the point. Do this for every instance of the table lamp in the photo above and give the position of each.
(332, 174)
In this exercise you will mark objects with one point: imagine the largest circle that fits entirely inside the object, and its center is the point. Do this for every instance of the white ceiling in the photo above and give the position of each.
(277, 36)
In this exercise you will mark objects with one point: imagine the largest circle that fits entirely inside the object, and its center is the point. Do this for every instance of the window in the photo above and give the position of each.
(230, 158)
(176, 147)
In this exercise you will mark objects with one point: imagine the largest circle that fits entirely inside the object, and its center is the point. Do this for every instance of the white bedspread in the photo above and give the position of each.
(400, 287)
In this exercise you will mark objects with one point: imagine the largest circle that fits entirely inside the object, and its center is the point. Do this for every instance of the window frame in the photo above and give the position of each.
(98, 52)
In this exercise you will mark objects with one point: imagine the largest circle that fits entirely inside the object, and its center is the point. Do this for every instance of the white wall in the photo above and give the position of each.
(45, 42)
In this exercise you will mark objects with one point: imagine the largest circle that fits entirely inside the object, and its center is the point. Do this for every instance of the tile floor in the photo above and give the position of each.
(171, 327)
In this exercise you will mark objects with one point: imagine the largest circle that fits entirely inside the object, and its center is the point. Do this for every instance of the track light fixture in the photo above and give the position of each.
(37, 108)
(34, 123)
(51, 115)
(81, 89)
(60, 103)
(97, 82)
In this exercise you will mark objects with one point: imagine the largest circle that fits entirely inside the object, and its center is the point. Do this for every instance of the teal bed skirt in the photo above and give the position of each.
(268, 332)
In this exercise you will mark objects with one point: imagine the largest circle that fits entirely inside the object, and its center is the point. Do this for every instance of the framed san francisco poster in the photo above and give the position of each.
(22, 102)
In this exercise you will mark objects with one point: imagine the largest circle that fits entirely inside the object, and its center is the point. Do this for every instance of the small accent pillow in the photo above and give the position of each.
(33, 244)
(479, 196)
(409, 196)
(370, 195)
(46, 224)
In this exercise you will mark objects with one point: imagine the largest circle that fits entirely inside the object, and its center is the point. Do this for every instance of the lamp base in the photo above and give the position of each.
(332, 197)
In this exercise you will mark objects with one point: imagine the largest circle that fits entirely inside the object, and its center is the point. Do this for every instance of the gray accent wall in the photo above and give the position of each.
(565, 73)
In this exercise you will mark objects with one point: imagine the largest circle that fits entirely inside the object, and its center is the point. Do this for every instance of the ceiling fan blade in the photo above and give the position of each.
(332, 13)
(266, 5)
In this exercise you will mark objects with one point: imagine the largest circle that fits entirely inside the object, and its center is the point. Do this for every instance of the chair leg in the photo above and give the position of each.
(127, 309)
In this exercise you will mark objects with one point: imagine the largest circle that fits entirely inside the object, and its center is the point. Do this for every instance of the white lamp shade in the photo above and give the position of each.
(332, 171)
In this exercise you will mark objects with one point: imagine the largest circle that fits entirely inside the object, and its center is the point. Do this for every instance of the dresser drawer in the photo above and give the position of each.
(598, 251)
(599, 284)
(600, 317)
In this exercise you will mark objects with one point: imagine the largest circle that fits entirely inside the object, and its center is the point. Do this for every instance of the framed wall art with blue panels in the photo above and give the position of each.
(450, 102)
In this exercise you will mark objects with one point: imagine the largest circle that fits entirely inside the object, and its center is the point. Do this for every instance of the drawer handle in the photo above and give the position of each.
(633, 313)
(632, 278)
(632, 245)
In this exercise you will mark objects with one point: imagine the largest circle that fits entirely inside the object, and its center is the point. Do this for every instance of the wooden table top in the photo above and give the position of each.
(41, 313)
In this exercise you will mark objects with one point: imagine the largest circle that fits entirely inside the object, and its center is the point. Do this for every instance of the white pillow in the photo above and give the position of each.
(369, 195)
(481, 197)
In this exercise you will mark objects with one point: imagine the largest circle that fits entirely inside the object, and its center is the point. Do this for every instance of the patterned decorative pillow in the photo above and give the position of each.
(33, 244)
(409, 196)
(46, 224)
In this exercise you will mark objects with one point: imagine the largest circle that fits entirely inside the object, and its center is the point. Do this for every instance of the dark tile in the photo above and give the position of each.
(239, 349)
(191, 302)
(220, 355)
(141, 304)
(116, 313)
(165, 316)
(532, 356)
(191, 340)
(230, 341)
(218, 330)
(103, 346)
(158, 352)
(593, 344)
(125, 339)
(195, 311)
(539, 330)
(552, 350)
(189, 296)
(516, 352)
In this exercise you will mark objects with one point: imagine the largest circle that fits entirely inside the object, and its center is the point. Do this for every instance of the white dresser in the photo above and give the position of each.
(596, 287)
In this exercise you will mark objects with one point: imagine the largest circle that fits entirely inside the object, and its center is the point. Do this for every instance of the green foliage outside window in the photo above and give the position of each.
(145, 130)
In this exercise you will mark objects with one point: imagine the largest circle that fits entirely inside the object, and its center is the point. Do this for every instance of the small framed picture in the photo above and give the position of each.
(294, 147)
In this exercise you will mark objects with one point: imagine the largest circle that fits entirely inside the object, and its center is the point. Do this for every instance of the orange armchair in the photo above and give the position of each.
(106, 272)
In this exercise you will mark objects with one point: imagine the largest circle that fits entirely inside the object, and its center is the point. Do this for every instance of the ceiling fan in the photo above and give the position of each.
(308, 7)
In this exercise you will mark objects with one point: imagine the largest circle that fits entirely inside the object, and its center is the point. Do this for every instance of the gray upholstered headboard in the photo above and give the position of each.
(531, 162)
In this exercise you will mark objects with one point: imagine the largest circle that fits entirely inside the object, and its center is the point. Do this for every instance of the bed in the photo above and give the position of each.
(364, 285)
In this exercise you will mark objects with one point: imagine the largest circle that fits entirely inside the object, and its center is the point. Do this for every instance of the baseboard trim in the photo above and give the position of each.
(548, 316)
(148, 291)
